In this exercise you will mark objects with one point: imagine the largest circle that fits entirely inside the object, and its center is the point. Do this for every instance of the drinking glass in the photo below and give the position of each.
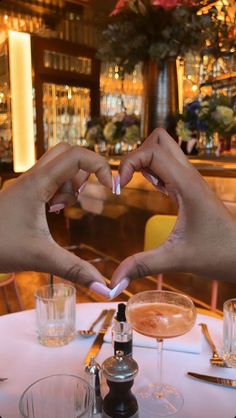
(229, 332)
(57, 396)
(160, 314)
(56, 314)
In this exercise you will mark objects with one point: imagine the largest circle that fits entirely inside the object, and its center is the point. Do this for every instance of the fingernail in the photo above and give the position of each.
(153, 180)
(117, 185)
(113, 186)
(150, 178)
(56, 208)
(100, 288)
(119, 288)
(81, 188)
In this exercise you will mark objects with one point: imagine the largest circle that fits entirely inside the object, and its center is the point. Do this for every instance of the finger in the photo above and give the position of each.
(154, 180)
(79, 181)
(65, 166)
(168, 144)
(158, 147)
(67, 195)
(69, 266)
(165, 259)
(173, 175)
(51, 153)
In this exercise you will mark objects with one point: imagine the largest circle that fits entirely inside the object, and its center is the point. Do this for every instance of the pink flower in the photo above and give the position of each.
(169, 4)
(166, 4)
(120, 5)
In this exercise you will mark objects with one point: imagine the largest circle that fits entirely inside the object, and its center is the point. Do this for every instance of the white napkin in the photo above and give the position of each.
(188, 343)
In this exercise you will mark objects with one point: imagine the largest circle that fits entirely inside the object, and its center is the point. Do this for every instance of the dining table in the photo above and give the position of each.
(24, 360)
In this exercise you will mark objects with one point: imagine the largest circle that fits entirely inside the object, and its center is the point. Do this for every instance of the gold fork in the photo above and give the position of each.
(216, 359)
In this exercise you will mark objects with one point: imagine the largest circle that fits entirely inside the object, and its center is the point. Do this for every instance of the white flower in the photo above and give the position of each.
(223, 115)
(182, 131)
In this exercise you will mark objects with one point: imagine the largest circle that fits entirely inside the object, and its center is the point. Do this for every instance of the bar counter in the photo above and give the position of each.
(140, 194)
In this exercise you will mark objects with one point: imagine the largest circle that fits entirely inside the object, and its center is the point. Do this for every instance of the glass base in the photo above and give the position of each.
(163, 404)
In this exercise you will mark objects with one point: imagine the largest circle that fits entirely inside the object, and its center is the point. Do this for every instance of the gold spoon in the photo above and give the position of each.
(86, 333)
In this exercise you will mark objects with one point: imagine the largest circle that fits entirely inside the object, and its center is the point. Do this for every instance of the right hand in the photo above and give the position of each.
(203, 240)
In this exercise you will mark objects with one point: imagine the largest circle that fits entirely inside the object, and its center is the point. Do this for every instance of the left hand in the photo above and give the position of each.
(26, 242)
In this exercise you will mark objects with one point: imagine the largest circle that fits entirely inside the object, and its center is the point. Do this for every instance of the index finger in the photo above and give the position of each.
(64, 166)
(160, 154)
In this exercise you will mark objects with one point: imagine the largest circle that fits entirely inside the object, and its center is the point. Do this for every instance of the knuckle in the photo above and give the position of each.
(74, 273)
(62, 146)
(141, 267)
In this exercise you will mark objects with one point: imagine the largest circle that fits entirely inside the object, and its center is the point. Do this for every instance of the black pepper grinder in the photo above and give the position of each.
(119, 372)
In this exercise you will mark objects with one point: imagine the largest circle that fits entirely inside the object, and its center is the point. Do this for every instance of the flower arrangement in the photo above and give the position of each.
(217, 114)
(138, 30)
(214, 113)
(120, 127)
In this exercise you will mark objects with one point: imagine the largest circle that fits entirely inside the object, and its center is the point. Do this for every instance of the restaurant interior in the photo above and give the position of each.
(69, 73)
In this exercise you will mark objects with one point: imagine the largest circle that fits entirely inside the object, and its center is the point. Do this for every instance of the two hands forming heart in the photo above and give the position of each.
(203, 240)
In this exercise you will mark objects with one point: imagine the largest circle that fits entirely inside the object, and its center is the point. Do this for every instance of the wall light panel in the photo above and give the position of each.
(21, 100)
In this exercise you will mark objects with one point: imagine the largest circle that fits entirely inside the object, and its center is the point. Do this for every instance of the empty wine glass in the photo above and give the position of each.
(57, 396)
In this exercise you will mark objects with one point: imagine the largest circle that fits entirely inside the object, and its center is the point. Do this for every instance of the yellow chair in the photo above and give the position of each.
(5, 280)
(157, 230)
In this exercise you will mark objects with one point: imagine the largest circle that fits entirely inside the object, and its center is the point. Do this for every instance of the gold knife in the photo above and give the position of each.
(94, 350)
(231, 383)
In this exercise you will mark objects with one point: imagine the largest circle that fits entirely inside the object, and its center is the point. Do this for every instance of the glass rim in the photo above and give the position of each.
(163, 291)
(228, 302)
(54, 375)
(56, 285)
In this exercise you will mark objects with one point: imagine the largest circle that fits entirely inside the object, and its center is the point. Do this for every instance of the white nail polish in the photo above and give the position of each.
(113, 186)
(119, 288)
(154, 180)
(81, 188)
(100, 288)
(118, 191)
(117, 182)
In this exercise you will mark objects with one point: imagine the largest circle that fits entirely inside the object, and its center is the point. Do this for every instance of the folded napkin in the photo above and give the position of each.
(188, 343)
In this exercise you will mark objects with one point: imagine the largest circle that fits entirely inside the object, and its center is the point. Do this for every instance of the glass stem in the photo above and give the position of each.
(159, 367)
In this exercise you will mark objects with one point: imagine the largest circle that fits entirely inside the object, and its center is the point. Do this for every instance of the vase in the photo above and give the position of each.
(208, 142)
(160, 97)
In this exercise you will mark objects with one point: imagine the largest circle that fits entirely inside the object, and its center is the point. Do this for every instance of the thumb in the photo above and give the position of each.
(67, 265)
(165, 258)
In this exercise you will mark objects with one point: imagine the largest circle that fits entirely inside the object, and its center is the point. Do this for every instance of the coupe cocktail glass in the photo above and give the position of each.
(160, 314)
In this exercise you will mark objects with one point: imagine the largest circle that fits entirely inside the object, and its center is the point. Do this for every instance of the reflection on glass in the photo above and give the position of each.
(119, 90)
(64, 62)
(66, 112)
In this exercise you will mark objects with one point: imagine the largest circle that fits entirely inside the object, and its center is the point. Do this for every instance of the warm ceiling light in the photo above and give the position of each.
(21, 101)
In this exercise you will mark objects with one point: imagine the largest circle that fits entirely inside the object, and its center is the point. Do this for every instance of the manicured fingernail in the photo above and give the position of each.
(113, 186)
(56, 208)
(100, 288)
(153, 180)
(150, 178)
(117, 184)
(119, 288)
(81, 188)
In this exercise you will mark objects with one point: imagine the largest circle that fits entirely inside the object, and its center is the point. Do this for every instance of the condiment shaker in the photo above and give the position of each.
(92, 371)
(119, 372)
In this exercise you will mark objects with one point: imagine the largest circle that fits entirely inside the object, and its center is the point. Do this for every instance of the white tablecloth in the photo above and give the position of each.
(23, 360)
